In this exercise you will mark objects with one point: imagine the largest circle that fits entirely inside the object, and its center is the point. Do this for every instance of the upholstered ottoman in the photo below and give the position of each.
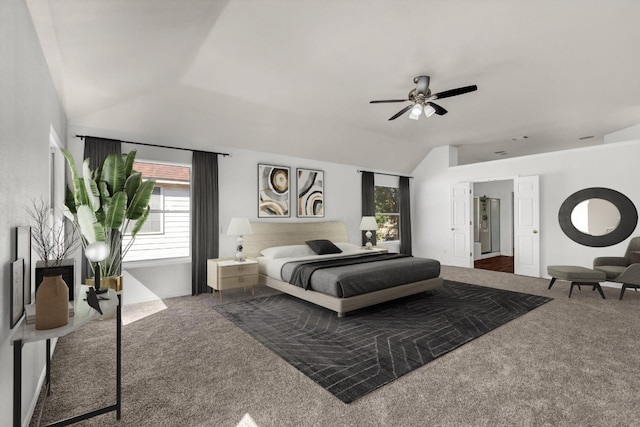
(577, 276)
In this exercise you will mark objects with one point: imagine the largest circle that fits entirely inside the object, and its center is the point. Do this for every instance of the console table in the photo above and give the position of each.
(26, 333)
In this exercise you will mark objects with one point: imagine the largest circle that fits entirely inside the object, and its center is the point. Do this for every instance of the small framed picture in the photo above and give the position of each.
(273, 191)
(23, 250)
(16, 298)
(310, 192)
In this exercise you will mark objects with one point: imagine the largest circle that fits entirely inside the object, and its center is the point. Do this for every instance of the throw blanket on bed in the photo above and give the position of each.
(301, 275)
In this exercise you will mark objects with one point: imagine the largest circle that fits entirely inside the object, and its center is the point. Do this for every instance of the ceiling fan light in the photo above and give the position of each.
(429, 111)
(416, 110)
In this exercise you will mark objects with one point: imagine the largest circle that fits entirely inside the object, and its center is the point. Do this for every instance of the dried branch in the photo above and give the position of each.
(53, 241)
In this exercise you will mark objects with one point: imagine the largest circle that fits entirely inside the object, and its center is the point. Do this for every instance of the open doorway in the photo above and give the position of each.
(493, 244)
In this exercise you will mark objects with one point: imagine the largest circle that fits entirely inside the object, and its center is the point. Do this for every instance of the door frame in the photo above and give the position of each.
(513, 179)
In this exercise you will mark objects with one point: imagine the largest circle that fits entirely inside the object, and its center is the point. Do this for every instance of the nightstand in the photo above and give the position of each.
(229, 274)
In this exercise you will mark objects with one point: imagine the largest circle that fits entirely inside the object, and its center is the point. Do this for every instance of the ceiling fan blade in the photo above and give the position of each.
(439, 110)
(388, 100)
(454, 92)
(401, 112)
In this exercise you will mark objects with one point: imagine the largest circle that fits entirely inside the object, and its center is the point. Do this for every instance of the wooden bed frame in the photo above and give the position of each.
(279, 234)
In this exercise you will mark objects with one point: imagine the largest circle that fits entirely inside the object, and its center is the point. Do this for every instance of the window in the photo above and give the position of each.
(166, 232)
(387, 213)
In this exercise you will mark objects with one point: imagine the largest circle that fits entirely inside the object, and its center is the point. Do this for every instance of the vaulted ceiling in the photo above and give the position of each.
(295, 77)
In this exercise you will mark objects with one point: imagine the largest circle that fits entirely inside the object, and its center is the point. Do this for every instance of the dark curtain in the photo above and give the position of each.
(368, 201)
(405, 216)
(204, 218)
(96, 150)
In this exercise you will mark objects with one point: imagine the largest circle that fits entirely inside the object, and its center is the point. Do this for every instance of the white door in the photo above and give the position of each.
(461, 254)
(526, 226)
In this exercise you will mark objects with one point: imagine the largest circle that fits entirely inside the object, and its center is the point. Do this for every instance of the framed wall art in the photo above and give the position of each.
(310, 193)
(273, 191)
(23, 250)
(16, 299)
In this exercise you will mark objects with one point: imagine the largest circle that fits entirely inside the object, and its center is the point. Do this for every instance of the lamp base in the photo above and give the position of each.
(239, 248)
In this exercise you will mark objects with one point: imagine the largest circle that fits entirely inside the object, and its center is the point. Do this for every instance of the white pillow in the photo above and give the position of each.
(347, 247)
(287, 251)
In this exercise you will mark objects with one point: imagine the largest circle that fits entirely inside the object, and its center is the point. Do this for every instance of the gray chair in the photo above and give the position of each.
(625, 269)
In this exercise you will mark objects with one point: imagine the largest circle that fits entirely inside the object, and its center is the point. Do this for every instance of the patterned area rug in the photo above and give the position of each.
(371, 347)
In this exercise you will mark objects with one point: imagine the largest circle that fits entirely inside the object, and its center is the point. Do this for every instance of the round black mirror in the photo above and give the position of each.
(598, 217)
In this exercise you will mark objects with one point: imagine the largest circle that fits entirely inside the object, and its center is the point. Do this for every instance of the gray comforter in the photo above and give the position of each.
(359, 278)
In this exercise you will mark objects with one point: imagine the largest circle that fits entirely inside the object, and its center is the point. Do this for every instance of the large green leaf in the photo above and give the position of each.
(69, 201)
(115, 210)
(140, 222)
(79, 194)
(129, 159)
(91, 188)
(132, 184)
(113, 173)
(90, 228)
(140, 200)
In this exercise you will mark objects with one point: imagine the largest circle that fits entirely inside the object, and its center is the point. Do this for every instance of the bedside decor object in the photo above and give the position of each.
(273, 191)
(97, 252)
(239, 227)
(16, 298)
(369, 224)
(310, 191)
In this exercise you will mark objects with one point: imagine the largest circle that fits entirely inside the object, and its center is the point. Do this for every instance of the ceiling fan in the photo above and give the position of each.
(421, 98)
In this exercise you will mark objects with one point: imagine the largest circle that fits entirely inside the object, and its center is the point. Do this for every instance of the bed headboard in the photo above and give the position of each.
(268, 234)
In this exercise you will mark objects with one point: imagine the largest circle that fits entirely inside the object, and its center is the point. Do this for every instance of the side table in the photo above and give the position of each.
(229, 274)
(26, 333)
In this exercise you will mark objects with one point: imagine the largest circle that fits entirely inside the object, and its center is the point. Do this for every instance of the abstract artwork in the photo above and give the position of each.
(273, 191)
(17, 291)
(23, 250)
(310, 190)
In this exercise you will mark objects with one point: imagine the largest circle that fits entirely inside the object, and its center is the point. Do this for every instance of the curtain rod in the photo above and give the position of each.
(157, 146)
(388, 174)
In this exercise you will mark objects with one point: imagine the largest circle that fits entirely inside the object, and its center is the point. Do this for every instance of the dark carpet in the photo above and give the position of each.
(371, 347)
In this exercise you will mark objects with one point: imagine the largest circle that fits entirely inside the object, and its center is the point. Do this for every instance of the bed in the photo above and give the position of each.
(267, 236)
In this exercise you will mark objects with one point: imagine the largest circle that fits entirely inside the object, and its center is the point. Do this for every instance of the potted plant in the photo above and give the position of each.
(105, 204)
(53, 242)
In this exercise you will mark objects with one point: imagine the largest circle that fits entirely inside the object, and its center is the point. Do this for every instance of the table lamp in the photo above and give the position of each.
(97, 252)
(368, 223)
(239, 227)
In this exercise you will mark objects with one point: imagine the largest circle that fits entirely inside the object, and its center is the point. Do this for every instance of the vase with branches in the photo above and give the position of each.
(53, 241)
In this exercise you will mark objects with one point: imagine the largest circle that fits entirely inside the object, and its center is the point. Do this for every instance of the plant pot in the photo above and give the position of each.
(112, 282)
(52, 303)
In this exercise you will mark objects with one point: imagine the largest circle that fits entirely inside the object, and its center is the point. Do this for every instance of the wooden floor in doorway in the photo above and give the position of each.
(496, 263)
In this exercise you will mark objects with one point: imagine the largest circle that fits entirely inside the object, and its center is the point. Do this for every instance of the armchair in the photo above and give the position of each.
(625, 269)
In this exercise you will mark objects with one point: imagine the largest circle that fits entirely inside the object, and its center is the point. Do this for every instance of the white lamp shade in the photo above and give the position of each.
(97, 251)
(368, 223)
(239, 227)
(429, 111)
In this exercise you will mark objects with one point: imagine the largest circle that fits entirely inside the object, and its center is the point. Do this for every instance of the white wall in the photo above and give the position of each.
(561, 174)
(238, 174)
(29, 107)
